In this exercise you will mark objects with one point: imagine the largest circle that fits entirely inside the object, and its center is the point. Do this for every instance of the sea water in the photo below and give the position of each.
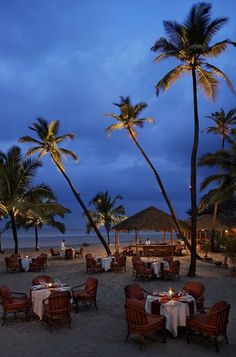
(75, 237)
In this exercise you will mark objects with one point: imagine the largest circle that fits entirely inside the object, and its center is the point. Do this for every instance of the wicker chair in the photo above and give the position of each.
(140, 323)
(57, 308)
(197, 291)
(12, 265)
(79, 253)
(92, 266)
(134, 291)
(142, 272)
(42, 279)
(13, 302)
(213, 324)
(135, 259)
(172, 273)
(119, 264)
(69, 253)
(54, 253)
(38, 263)
(87, 296)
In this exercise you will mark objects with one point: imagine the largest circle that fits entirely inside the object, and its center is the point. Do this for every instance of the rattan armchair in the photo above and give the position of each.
(135, 291)
(87, 296)
(40, 279)
(38, 263)
(57, 308)
(12, 265)
(197, 290)
(172, 273)
(55, 253)
(119, 263)
(92, 266)
(142, 272)
(13, 302)
(211, 324)
(141, 324)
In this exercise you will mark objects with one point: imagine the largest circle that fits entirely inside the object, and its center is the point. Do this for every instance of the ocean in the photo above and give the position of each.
(73, 237)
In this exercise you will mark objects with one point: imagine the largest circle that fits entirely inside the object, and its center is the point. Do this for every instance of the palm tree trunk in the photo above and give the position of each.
(14, 231)
(36, 238)
(193, 184)
(108, 236)
(163, 191)
(86, 211)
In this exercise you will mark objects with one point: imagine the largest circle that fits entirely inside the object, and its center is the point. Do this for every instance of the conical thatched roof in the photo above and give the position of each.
(150, 219)
(206, 222)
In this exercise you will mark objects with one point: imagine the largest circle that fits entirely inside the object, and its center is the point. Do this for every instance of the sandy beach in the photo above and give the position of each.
(102, 333)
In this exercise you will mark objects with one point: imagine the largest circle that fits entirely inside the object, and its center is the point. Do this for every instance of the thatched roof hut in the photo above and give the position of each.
(222, 223)
(150, 219)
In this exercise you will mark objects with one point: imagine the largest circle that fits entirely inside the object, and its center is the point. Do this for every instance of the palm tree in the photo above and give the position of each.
(190, 43)
(128, 119)
(106, 214)
(226, 180)
(47, 142)
(17, 195)
(223, 125)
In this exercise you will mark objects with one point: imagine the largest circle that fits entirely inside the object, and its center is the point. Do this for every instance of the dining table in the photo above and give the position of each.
(175, 309)
(40, 292)
(105, 261)
(25, 262)
(156, 266)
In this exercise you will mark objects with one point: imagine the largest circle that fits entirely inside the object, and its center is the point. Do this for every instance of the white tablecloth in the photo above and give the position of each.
(174, 311)
(25, 263)
(156, 266)
(38, 296)
(106, 262)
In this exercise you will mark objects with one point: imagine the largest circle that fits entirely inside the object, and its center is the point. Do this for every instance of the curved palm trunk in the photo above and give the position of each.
(108, 236)
(14, 231)
(193, 188)
(80, 201)
(216, 205)
(36, 237)
(163, 191)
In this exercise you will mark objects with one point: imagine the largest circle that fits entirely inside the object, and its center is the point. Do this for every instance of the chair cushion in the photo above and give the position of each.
(81, 295)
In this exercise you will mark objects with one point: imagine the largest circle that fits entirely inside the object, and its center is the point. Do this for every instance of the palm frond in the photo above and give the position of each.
(207, 83)
(170, 78)
(221, 74)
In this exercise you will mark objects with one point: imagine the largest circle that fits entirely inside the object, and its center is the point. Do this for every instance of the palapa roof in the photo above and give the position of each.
(150, 219)
(206, 222)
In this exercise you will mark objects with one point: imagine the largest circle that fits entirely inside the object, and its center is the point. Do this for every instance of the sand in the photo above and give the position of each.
(102, 333)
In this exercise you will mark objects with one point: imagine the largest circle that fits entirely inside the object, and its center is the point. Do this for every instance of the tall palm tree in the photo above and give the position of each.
(105, 213)
(16, 175)
(223, 125)
(47, 142)
(128, 119)
(190, 43)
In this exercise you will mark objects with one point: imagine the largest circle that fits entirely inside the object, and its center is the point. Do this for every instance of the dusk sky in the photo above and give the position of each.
(72, 59)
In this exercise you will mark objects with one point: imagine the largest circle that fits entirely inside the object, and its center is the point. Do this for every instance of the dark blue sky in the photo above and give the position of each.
(70, 60)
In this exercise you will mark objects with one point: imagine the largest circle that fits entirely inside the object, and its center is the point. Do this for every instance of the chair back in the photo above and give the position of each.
(117, 256)
(134, 291)
(59, 301)
(10, 262)
(218, 316)
(15, 257)
(69, 253)
(140, 267)
(5, 294)
(135, 317)
(40, 279)
(91, 285)
(136, 259)
(195, 289)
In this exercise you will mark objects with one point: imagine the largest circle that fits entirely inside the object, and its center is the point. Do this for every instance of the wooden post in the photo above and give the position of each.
(136, 241)
(172, 248)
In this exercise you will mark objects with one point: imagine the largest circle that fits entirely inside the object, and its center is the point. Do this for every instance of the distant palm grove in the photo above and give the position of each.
(191, 45)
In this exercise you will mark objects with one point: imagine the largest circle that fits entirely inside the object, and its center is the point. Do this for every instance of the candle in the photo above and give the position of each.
(170, 293)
